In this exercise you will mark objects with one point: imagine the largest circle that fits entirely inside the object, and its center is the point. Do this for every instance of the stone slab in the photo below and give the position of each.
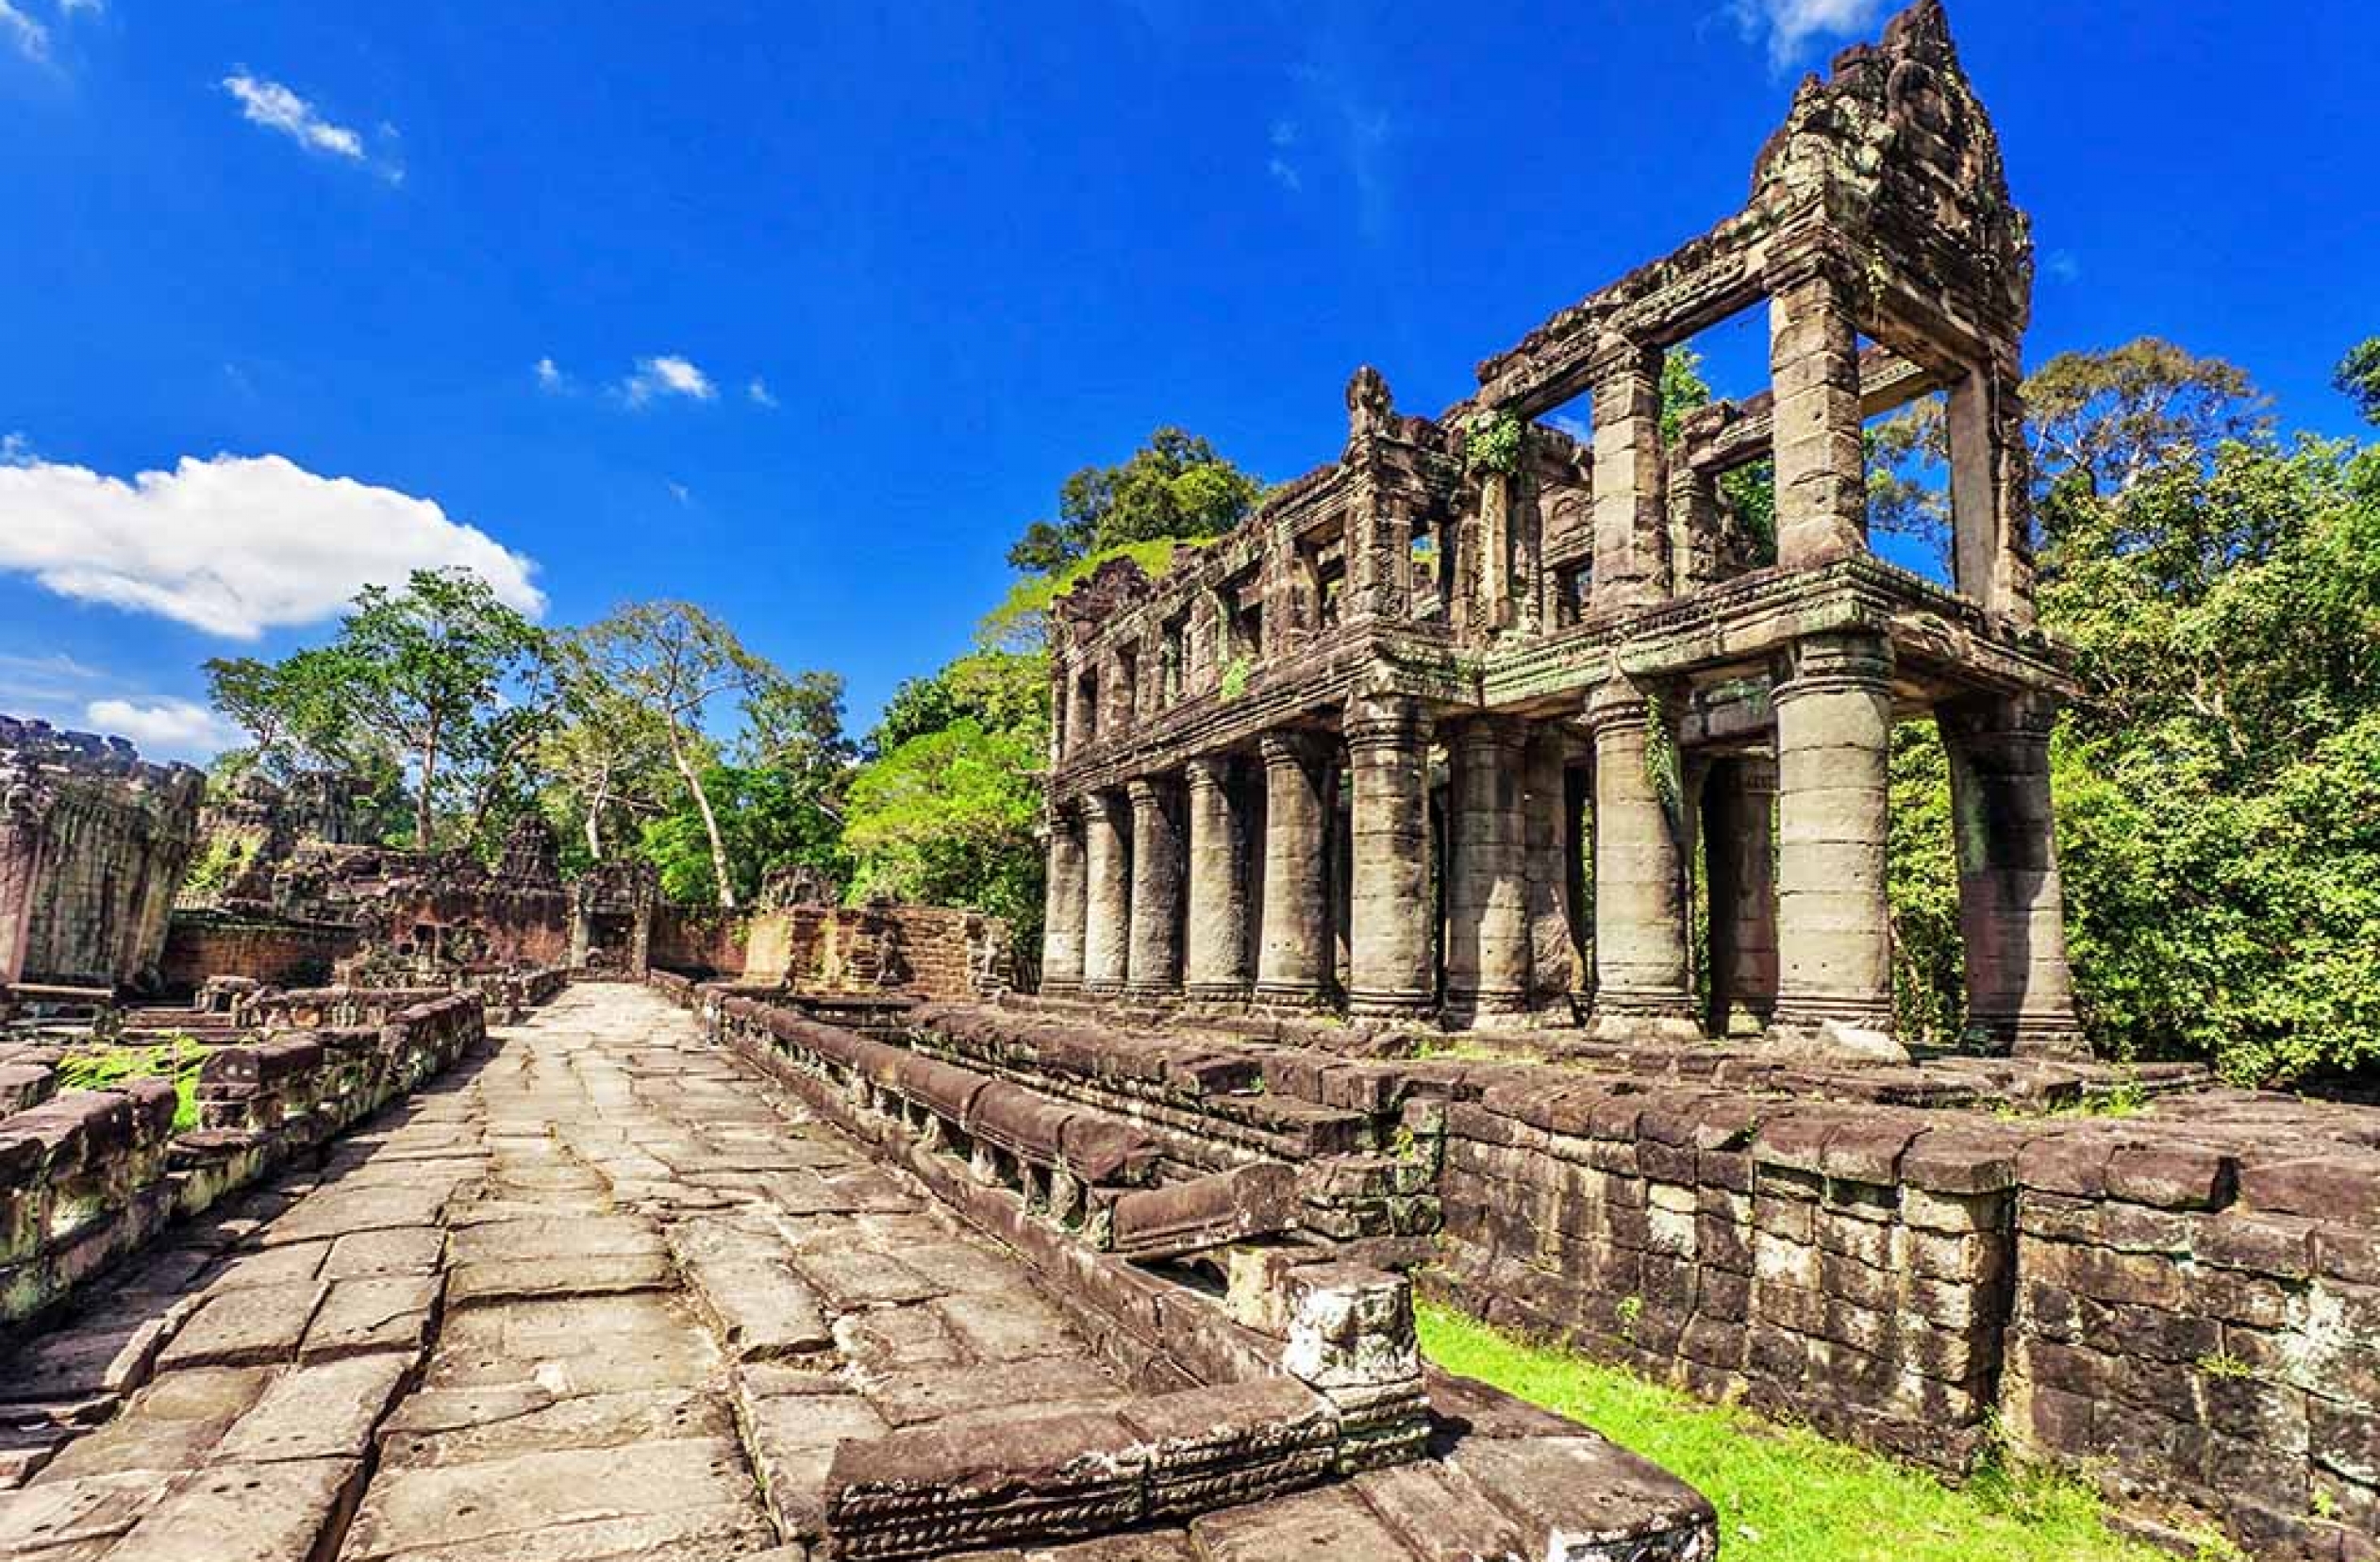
(247, 1513)
(319, 1412)
(392, 1313)
(240, 1328)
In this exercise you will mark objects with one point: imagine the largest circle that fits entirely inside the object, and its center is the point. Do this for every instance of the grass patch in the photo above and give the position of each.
(1784, 1494)
(178, 1058)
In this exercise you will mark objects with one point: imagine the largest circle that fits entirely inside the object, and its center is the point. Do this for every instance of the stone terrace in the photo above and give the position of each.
(607, 1294)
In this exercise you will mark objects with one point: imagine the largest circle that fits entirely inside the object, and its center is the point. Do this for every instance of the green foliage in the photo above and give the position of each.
(1786, 1494)
(1233, 681)
(1020, 622)
(2358, 378)
(768, 817)
(1928, 957)
(1175, 486)
(947, 818)
(443, 673)
(219, 861)
(1748, 491)
(178, 1058)
(999, 689)
(1491, 442)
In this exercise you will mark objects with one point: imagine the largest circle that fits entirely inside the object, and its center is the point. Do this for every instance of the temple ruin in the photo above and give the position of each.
(93, 844)
(1348, 754)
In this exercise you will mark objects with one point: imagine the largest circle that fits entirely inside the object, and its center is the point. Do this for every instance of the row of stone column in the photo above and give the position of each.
(1153, 891)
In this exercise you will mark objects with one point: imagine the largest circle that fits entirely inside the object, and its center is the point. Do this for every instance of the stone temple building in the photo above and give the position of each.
(1486, 724)
(93, 844)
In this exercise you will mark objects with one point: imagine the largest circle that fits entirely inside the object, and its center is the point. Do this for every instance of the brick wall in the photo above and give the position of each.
(928, 950)
(280, 954)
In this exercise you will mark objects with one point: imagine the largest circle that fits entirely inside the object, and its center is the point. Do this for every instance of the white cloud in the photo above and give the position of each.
(667, 375)
(684, 495)
(275, 108)
(759, 393)
(1285, 174)
(1790, 25)
(549, 374)
(16, 450)
(165, 727)
(31, 39)
(235, 545)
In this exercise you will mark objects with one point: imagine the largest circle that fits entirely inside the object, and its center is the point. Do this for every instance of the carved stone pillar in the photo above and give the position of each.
(1822, 492)
(1740, 846)
(1392, 963)
(1293, 965)
(1643, 970)
(1834, 738)
(1216, 961)
(1154, 968)
(22, 837)
(1990, 490)
(1631, 521)
(2011, 902)
(1487, 884)
(1064, 904)
(1108, 906)
(1547, 841)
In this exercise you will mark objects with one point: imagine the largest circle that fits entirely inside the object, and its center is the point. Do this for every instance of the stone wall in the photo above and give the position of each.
(93, 844)
(90, 1175)
(200, 944)
(927, 951)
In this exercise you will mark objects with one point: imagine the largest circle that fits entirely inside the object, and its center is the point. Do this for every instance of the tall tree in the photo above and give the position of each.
(675, 661)
(443, 673)
(2358, 378)
(1175, 486)
(606, 757)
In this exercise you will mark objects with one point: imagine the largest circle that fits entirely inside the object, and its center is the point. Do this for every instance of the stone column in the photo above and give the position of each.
(1154, 969)
(1740, 846)
(1392, 963)
(1834, 738)
(21, 835)
(1546, 840)
(1063, 906)
(1108, 903)
(1822, 495)
(1293, 965)
(1990, 490)
(1486, 885)
(1631, 563)
(2011, 904)
(1216, 959)
(1643, 969)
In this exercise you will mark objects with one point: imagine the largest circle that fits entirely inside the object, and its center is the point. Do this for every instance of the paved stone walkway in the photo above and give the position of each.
(599, 1295)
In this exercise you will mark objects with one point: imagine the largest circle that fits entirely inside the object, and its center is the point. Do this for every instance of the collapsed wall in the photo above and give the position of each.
(93, 843)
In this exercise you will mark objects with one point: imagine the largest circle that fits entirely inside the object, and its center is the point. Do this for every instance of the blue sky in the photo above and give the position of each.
(800, 312)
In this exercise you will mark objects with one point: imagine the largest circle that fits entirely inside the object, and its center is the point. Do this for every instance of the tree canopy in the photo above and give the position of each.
(1175, 486)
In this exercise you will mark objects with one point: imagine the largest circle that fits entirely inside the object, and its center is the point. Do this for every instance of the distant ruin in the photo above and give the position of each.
(1347, 754)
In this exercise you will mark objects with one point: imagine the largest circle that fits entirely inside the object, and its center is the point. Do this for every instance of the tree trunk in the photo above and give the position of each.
(594, 819)
(421, 804)
(711, 824)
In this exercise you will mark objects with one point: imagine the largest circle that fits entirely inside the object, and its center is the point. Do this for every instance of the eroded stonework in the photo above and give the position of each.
(1357, 752)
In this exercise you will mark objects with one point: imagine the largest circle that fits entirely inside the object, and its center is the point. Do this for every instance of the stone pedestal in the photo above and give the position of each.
(1834, 737)
(1294, 959)
(1486, 888)
(1643, 979)
(1063, 904)
(1153, 966)
(1216, 961)
(1740, 848)
(1822, 492)
(1108, 904)
(1391, 960)
(2011, 904)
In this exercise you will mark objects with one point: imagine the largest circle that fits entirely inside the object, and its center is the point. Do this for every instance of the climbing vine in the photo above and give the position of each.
(1663, 771)
(1491, 442)
(1235, 678)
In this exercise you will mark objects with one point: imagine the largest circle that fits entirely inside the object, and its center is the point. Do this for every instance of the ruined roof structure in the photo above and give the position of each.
(93, 843)
(1349, 753)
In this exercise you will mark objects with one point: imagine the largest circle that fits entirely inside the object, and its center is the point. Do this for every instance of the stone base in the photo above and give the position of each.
(1418, 1009)
(1834, 1041)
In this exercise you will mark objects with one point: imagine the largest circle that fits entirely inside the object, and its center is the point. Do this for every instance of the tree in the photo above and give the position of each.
(2358, 378)
(674, 661)
(1175, 486)
(947, 818)
(767, 817)
(443, 673)
(606, 757)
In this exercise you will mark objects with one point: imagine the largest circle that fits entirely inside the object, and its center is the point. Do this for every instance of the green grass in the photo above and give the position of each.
(177, 1057)
(1784, 1494)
